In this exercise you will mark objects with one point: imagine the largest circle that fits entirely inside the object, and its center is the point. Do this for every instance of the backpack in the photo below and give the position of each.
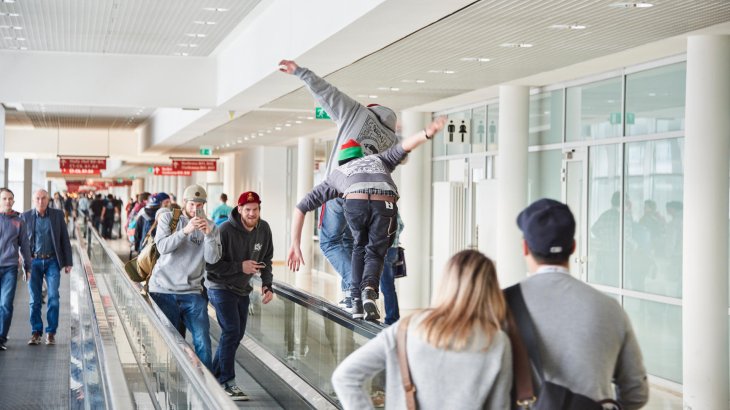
(146, 227)
(140, 268)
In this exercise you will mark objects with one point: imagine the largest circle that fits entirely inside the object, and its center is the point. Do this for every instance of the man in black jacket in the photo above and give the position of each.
(247, 251)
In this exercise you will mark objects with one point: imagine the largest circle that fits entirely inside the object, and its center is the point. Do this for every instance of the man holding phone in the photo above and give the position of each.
(176, 281)
(247, 250)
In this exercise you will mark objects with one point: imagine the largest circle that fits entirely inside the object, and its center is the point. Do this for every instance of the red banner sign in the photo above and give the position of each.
(169, 171)
(78, 163)
(193, 165)
(124, 182)
(76, 171)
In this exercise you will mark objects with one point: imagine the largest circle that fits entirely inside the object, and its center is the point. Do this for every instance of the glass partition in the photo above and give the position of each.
(160, 368)
(655, 100)
(593, 111)
(546, 118)
(309, 336)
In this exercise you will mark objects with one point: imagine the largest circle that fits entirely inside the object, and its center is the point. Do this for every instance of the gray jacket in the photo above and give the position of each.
(373, 127)
(585, 339)
(370, 172)
(13, 237)
(182, 260)
(471, 379)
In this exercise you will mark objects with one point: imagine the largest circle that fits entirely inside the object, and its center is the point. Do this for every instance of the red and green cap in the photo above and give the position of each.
(350, 149)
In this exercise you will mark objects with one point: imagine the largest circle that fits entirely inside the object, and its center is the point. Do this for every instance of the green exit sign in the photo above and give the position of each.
(206, 151)
(321, 114)
(150, 170)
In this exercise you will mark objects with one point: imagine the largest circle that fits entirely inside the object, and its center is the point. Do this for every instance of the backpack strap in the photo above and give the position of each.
(175, 219)
(405, 372)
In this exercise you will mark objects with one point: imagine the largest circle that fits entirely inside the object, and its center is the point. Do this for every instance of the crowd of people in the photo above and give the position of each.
(464, 351)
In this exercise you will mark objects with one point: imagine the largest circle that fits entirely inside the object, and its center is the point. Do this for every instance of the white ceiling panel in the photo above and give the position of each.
(146, 27)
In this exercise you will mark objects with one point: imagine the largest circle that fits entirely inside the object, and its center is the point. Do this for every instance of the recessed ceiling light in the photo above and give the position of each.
(20, 38)
(4, 14)
(245, 138)
(196, 35)
(268, 131)
(287, 125)
(253, 136)
(206, 23)
(298, 121)
(8, 1)
(218, 9)
(228, 145)
(180, 54)
(372, 96)
(516, 45)
(475, 59)
(277, 128)
(568, 26)
(310, 118)
(420, 81)
(189, 45)
(261, 134)
(240, 141)
(631, 5)
(441, 72)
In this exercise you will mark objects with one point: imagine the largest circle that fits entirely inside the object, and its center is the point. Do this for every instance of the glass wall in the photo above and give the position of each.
(546, 118)
(655, 100)
(593, 111)
(631, 182)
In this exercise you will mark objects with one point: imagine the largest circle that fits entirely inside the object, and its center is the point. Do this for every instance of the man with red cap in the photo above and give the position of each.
(373, 128)
(247, 250)
(370, 209)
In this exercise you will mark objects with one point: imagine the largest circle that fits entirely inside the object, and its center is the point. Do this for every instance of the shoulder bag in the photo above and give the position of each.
(140, 268)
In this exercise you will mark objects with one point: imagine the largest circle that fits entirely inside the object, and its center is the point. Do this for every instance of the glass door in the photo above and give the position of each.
(575, 195)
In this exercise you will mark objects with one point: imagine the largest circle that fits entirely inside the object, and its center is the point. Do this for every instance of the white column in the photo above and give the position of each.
(414, 206)
(511, 180)
(137, 186)
(28, 184)
(305, 183)
(705, 249)
(3, 163)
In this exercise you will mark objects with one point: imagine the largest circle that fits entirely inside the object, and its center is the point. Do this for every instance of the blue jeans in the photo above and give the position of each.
(335, 240)
(387, 287)
(192, 310)
(232, 313)
(8, 280)
(48, 268)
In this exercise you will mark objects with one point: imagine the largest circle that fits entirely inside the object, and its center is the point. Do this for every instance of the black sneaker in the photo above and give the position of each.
(3, 347)
(356, 309)
(235, 393)
(368, 304)
(346, 304)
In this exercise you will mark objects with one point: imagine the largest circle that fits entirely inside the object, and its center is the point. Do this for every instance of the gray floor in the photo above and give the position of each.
(35, 377)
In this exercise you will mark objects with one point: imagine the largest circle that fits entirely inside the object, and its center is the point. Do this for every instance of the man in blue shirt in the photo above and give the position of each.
(221, 212)
(50, 251)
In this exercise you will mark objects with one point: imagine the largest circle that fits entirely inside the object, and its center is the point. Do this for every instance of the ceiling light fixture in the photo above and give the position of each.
(287, 125)
(8, 1)
(218, 9)
(516, 45)
(277, 128)
(189, 45)
(310, 118)
(568, 26)
(180, 54)
(298, 121)
(441, 72)
(205, 23)
(196, 35)
(475, 59)
(4, 14)
(631, 5)
(420, 81)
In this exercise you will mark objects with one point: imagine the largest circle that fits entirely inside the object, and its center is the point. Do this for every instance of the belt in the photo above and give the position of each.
(372, 197)
(42, 255)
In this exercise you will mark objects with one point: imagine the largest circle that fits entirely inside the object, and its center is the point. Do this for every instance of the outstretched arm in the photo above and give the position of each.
(412, 142)
(294, 258)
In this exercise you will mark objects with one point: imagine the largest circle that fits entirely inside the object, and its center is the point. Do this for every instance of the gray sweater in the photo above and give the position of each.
(13, 237)
(585, 339)
(469, 379)
(370, 172)
(372, 127)
(182, 260)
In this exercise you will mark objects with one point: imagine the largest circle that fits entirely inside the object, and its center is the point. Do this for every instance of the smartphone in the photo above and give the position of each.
(200, 213)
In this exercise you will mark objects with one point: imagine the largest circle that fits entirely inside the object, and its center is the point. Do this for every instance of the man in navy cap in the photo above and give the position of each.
(585, 339)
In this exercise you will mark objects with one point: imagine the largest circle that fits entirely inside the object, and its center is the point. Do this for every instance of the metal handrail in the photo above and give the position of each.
(202, 381)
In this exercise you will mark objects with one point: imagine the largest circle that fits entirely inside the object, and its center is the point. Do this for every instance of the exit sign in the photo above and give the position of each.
(321, 114)
(206, 150)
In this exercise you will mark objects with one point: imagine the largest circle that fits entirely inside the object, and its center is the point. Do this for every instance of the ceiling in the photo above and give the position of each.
(386, 77)
(191, 28)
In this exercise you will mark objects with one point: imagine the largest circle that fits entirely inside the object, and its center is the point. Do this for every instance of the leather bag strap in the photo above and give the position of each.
(405, 372)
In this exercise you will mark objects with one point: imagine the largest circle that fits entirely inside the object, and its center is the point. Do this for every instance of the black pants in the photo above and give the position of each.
(373, 225)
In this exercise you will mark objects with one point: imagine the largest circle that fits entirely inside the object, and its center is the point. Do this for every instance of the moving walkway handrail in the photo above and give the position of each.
(203, 384)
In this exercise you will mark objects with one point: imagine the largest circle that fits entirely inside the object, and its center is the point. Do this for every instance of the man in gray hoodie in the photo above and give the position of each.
(176, 281)
(248, 248)
(12, 238)
(373, 127)
(370, 208)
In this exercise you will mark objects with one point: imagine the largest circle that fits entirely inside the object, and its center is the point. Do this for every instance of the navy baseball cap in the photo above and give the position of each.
(548, 227)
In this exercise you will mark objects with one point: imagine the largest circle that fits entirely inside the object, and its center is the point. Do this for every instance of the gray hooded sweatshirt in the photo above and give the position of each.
(13, 237)
(372, 127)
(182, 260)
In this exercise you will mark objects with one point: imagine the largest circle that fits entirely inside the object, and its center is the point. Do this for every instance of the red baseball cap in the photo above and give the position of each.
(249, 197)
